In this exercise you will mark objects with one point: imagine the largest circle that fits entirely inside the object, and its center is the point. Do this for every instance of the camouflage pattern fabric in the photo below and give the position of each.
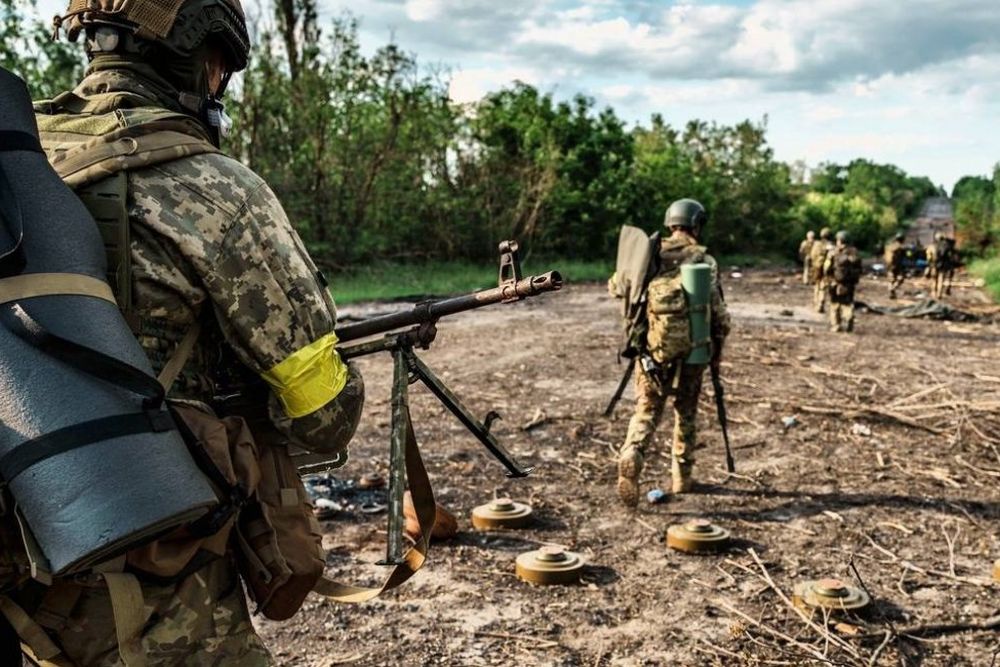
(805, 254)
(651, 395)
(817, 260)
(894, 253)
(841, 295)
(930, 252)
(201, 622)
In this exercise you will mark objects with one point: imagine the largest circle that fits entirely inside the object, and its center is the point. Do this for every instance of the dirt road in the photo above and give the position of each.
(893, 461)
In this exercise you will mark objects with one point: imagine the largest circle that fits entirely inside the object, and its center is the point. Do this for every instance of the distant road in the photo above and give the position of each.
(936, 215)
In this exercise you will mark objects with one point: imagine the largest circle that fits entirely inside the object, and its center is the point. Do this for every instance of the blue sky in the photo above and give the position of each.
(912, 82)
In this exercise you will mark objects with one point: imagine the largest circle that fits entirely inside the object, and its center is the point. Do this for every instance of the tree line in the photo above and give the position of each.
(373, 160)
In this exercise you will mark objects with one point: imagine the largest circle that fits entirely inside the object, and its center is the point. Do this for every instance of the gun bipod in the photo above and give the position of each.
(408, 369)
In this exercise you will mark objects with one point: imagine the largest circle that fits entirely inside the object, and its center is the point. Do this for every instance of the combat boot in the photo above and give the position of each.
(680, 474)
(629, 468)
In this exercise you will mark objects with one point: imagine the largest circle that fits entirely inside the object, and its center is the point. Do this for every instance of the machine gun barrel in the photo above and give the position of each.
(431, 311)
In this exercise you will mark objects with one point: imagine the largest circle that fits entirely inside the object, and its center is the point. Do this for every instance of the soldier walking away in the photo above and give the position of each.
(663, 372)
(842, 269)
(210, 250)
(805, 256)
(817, 259)
(945, 263)
(895, 253)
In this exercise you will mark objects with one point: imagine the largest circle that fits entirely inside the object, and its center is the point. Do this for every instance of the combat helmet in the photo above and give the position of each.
(900, 236)
(686, 214)
(173, 37)
(824, 233)
(843, 237)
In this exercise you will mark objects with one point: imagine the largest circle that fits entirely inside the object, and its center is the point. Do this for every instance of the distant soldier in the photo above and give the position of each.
(817, 259)
(931, 254)
(842, 270)
(895, 253)
(805, 250)
(945, 263)
(662, 368)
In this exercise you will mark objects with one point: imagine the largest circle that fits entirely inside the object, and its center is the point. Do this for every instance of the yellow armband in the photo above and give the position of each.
(309, 378)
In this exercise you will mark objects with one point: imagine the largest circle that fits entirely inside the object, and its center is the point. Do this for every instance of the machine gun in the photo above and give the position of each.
(408, 368)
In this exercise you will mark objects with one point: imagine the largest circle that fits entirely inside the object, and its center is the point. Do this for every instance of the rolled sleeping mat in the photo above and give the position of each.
(696, 279)
(94, 464)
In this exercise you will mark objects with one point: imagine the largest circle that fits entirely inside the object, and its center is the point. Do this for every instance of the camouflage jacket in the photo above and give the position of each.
(894, 254)
(210, 241)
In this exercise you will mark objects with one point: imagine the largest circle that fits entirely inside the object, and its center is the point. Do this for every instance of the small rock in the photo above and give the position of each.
(789, 422)
(862, 430)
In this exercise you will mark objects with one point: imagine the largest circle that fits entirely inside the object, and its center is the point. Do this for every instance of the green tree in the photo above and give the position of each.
(27, 49)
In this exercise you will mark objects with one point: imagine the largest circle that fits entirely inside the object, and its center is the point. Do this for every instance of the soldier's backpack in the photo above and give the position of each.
(669, 334)
(847, 268)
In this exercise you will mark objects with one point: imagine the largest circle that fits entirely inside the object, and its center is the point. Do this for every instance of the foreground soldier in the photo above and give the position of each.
(842, 270)
(663, 372)
(895, 253)
(817, 259)
(805, 256)
(210, 245)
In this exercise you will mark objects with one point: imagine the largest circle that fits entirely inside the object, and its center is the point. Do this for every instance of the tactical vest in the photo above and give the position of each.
(93, 154)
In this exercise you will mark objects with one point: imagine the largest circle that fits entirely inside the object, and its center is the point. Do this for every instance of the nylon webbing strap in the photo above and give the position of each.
(130, 616)
(13, 140)
(31, 285)
(32, 634)
(84, 359)
(179, 358)
(423, 503)
(36, 450)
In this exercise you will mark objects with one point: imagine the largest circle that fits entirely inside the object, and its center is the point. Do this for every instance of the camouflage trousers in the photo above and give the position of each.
(841, 309)
(650, 400)
(942, 282)
(820, 295)
(807, 271)
(202, 621)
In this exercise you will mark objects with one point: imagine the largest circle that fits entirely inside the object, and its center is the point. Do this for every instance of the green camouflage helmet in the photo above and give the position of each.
(900, 236)
(686, 214)
(181, 27)
(824, 233)
(843, 237)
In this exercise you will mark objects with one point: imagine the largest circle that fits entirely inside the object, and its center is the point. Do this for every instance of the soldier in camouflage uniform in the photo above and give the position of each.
(842, 270)
(663, 373)
(805, 256)
(895, 252)
(210, 244)
(817, 258)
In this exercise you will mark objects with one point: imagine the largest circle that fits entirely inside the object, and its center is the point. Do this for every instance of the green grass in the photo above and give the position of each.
(989, 271)
(385, 282)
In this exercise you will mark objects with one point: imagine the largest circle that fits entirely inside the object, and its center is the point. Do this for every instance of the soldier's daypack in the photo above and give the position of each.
(669, 335)
(847, 268)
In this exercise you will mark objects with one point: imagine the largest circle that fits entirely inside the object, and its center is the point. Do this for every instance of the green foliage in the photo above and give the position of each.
(27, 49)
(375, 164)
(989, 271)
(867, 223)
(977, 212)
(385, 281)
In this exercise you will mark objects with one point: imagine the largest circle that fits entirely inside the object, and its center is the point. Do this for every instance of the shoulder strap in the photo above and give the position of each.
(180, 357)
